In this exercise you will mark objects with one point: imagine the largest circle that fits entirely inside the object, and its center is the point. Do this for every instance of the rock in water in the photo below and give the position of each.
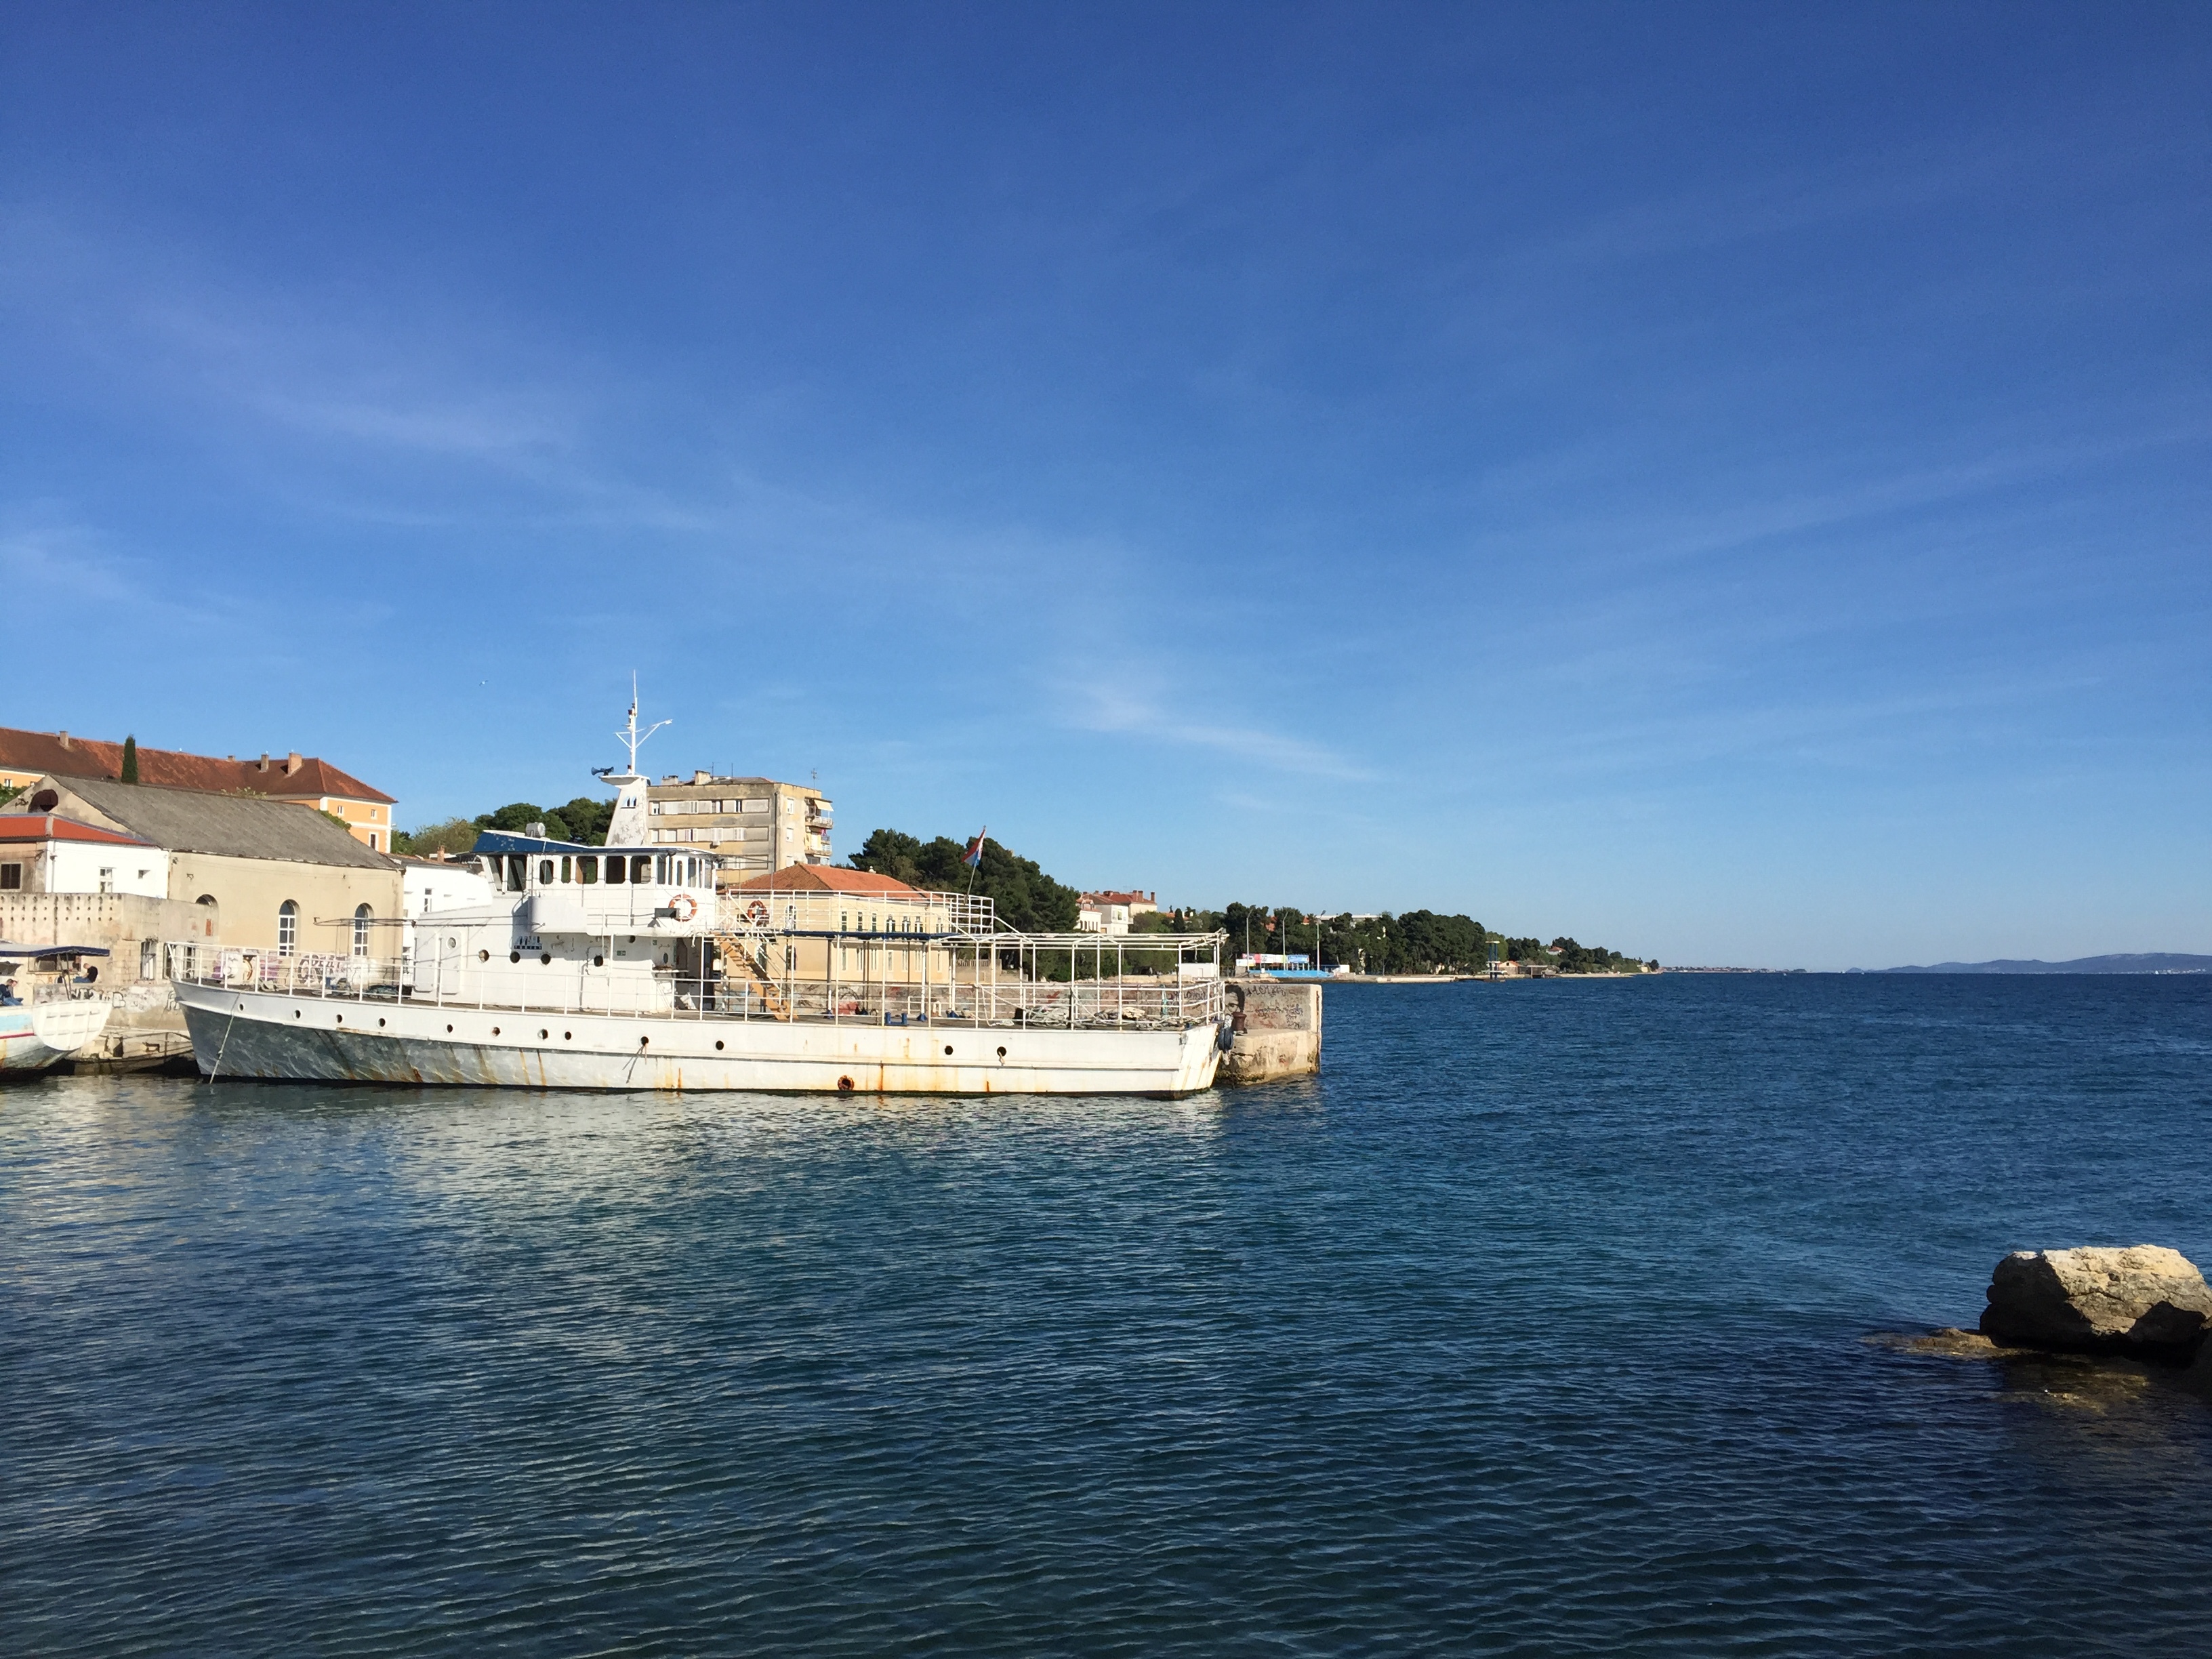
(2147, 1301)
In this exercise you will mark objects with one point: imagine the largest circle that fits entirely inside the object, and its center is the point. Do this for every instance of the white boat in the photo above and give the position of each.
(49, 1011)
(623, 967)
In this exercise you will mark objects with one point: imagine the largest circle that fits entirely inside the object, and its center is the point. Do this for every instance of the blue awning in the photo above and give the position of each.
(501, 841)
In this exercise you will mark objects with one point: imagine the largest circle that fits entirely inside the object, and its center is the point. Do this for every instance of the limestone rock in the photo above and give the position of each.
(2145, 1300)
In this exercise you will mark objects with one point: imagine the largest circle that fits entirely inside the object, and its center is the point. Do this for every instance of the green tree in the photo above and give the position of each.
(129, 760)
(585, 820)
(513, 818)
(1026, 898)
(451, 836)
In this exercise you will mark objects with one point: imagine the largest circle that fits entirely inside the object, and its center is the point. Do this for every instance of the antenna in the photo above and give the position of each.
(630, 734)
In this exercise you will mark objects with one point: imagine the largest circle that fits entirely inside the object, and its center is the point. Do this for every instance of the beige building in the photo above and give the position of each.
(749, 825)
(295, 778)
(255, 872)
(852, 927)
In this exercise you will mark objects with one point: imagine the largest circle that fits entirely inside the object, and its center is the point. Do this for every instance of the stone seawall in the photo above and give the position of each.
(1275, 1031)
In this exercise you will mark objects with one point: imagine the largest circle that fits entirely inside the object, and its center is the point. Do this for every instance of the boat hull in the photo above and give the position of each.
(44, 1035)
(270, 1035)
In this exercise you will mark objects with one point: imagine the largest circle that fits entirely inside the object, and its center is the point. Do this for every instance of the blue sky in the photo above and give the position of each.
(1731, 483)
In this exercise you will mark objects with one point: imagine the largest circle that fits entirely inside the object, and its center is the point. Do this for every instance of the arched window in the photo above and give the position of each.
(288, 927)
(361, 913)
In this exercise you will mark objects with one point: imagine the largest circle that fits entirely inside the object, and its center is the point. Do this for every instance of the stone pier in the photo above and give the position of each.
(1275, 1031)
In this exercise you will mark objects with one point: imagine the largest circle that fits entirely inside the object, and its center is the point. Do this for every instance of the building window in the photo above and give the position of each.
(108, 878)
(360, 916)
(11, 877)
(288, 927)
(150, 959)
(372, 840)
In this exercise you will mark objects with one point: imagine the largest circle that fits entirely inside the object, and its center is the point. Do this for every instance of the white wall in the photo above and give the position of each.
(425, 888)
(140, 871)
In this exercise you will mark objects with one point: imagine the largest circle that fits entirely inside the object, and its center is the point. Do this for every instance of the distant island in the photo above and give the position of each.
(2153, 961)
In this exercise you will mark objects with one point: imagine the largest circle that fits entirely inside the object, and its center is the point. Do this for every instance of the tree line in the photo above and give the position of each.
(1413, 942)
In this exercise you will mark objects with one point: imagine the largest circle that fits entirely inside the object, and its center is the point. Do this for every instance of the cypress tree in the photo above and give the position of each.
(129, 760)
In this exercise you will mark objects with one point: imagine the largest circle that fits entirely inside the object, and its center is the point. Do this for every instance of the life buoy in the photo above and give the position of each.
(757, 913)
(684, 907)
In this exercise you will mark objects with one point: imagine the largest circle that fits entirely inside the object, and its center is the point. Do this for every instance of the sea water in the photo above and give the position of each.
(1538, 1323)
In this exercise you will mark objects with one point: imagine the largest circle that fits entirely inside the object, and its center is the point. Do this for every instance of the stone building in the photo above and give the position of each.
(235, 870)
(294, 779)
(749, 825)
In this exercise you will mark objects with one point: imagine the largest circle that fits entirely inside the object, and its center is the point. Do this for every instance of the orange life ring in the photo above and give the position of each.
(684, 907)
(757, 913)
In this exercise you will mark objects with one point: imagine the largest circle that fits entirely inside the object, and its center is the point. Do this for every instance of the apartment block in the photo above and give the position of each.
(749, 825)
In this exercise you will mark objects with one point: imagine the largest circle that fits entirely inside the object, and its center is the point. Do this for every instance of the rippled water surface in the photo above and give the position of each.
(1537, 1325)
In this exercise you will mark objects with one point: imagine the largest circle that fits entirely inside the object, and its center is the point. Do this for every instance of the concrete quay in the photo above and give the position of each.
(1274, 1030)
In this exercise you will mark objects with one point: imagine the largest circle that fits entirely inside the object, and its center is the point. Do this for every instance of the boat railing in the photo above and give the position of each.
(63, 990)
(994, 991)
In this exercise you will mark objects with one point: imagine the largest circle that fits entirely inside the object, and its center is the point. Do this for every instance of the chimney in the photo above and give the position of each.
(65, 740)
(703, 777)
(264, 761)
(291, 762)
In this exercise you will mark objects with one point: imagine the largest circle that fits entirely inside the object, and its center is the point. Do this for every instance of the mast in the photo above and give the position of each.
(627, 827)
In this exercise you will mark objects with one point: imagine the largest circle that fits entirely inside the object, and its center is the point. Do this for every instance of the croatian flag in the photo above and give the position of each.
(974, 858)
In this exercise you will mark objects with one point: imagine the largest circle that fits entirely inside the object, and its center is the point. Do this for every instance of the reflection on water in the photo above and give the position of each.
(1548, 1320)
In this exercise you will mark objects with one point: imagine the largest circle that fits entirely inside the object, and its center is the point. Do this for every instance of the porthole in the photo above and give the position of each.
(1002, 1053)
(844, 1085)
(295, 1013)
(514, 956)
(543, 1034)
(483, 956)
(948, 1051)
(568, 1037)
(379, 1025)
(494, 1030)
(341, 1019)
(599, 961)
(641, 1042)
(546, 957)
(718, 1045)
(449, 1030)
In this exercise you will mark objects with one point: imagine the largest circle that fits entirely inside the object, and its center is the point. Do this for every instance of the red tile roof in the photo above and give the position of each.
(24, 826)
(287, 777)
(828, 878)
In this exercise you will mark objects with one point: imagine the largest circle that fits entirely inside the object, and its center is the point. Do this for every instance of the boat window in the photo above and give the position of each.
(587, 870)
(546, 872)
(517, 867)
(567, 873)
(641, 867)
(615, 868)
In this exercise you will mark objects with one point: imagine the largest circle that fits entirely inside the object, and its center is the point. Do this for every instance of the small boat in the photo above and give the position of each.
(50, 1010)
